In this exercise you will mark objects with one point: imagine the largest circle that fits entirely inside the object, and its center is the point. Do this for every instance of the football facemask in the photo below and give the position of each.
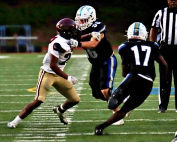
(85, 16)
(66, 27)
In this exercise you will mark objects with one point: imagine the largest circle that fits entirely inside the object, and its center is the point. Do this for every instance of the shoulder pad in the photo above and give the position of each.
(156, 44)
(57, 47)
(121, 47)
(98, 27)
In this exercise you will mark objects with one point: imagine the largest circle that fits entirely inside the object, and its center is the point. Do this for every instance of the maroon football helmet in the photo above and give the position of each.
(67, 28)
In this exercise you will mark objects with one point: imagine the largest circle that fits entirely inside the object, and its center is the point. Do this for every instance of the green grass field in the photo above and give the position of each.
(18, 73)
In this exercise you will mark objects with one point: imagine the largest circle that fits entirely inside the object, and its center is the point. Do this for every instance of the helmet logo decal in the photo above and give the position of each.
(137, 31)
(136, 28)
(89, 10)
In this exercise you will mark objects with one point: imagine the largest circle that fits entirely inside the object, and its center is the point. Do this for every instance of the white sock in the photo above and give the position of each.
(17, 120)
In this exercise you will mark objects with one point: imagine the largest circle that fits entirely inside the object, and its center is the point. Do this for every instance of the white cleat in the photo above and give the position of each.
(61, 116)
(120, 122)
(175, 139)
(11, 125)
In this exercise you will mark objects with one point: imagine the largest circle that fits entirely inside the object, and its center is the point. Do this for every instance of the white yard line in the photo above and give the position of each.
(88, 110)
(64, 128)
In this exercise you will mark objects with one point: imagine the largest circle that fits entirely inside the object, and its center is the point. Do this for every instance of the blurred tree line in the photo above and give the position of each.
(117, 14)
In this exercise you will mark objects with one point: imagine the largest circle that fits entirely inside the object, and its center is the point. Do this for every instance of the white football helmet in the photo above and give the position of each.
(85, 16)
(137, 30)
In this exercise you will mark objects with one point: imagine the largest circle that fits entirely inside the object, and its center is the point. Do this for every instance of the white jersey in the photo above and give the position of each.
(62, 57)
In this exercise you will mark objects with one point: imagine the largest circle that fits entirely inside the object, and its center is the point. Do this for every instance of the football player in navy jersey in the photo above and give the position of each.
(99, 52)
(138, 68)
(51, 73)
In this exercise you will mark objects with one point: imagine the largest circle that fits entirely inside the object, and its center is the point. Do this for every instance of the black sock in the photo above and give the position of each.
(103, 125)
(61, 110)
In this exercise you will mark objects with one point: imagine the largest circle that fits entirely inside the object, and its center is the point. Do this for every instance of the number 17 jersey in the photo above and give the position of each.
(140, 55)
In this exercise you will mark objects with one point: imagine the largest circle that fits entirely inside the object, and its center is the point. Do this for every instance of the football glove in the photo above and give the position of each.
(96, 35)
(72, 80)
(73, 43)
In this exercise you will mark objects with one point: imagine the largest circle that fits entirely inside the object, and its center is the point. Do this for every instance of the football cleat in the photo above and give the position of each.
(161, 110)
(175, 139)
(61, 116)
(98, 130)
(120, 122)
(11, 125)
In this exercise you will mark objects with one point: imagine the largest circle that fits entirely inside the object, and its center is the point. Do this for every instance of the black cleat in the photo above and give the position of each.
(161, 110)
(98, 130)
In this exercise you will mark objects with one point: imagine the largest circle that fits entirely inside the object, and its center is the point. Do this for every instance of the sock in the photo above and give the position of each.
(17, 120)
(61, 109)
(103, 125)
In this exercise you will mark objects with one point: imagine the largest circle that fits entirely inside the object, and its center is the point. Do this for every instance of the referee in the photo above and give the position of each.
(165, 20)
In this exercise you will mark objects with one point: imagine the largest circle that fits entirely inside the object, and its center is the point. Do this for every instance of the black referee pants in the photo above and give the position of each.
(170, 55)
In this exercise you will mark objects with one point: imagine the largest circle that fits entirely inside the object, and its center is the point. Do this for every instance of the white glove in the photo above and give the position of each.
(72, 80)
(73, 43)
(96, 35)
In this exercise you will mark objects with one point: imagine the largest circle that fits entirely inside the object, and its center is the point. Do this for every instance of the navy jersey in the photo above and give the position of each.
(103, 50)
(140, 55)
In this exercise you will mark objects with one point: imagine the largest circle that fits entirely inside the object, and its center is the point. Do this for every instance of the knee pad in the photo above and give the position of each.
(116, 99)
(112, 103)
(117, 92)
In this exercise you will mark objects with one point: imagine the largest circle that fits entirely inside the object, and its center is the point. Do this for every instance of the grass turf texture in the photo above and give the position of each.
(19, 72)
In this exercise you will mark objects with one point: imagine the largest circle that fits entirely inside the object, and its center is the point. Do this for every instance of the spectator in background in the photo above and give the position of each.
(165, 21)
(30, 47)
(21, 43)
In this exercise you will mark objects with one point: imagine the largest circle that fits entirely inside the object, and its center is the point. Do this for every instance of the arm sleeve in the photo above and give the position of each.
(57, 47)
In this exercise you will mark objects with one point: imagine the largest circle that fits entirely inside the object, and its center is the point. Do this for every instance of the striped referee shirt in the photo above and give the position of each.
(165, 20)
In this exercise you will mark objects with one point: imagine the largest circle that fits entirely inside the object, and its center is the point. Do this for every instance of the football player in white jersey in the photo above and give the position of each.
(51, 73)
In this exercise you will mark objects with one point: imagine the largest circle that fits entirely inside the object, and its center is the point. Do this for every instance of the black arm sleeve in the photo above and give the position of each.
(57, 47)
